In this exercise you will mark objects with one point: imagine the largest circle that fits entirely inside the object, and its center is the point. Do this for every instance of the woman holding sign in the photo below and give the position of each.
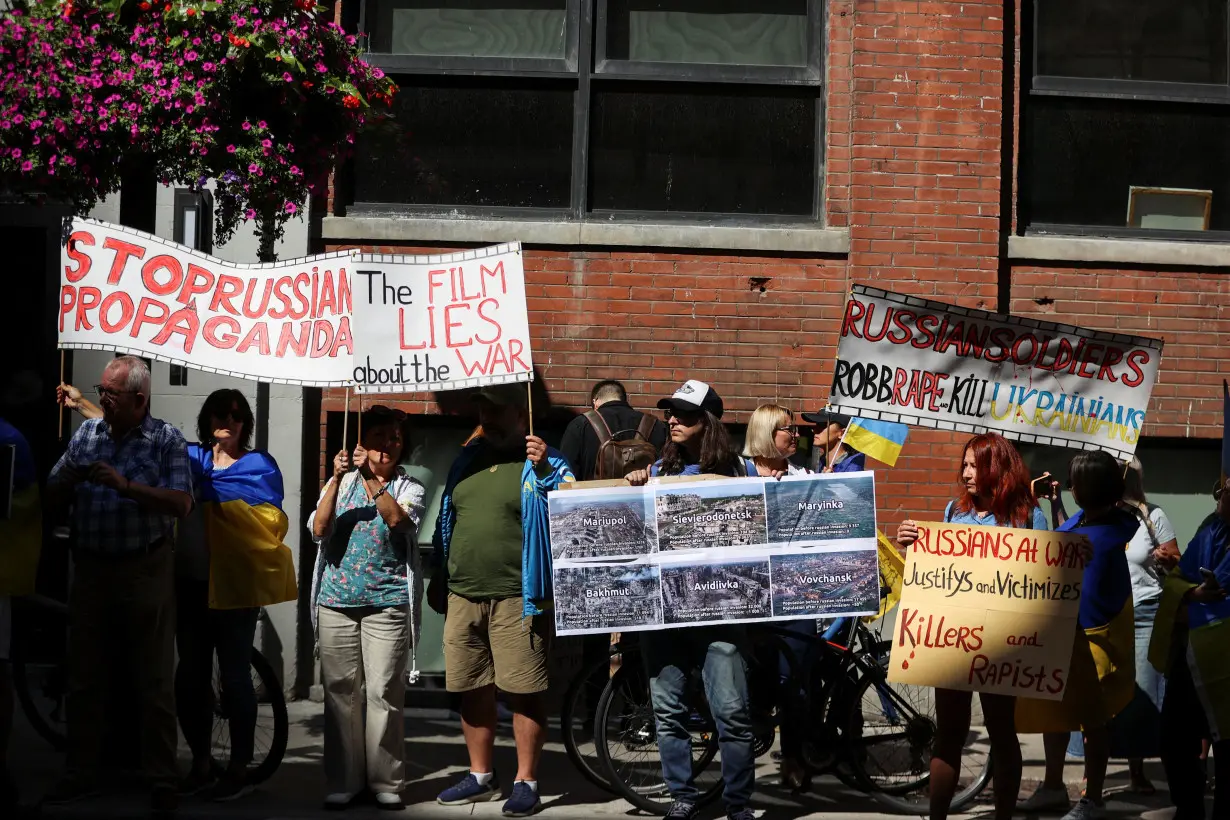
(365, 607)
(996, 493)
(699, 444)
(1102, 679)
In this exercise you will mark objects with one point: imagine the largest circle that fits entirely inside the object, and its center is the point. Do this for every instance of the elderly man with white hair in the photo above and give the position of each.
(128, 480)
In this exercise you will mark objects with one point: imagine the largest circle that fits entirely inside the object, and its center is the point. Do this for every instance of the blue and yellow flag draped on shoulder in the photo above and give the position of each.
(21, 534)
(241, 507)
(1102, 675)
(1207, 625)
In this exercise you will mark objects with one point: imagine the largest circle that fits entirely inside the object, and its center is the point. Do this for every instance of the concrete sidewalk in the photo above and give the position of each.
(437, 757)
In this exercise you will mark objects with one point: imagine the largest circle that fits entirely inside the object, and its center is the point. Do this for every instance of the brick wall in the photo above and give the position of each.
(925, 136)
(914, 135)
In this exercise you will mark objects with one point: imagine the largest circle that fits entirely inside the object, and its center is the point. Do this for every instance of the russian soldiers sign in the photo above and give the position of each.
(129, 291)
(720, 551)
(989, 609)
(911, 360)
(441, 322)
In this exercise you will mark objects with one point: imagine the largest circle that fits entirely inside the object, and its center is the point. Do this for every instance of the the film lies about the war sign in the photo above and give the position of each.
(441, 322)
(720, 551)
(915, 361)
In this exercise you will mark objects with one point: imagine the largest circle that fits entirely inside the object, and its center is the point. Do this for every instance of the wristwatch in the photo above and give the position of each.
(380, 492)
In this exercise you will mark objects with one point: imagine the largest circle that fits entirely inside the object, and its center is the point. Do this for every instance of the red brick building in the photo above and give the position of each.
(698, 185)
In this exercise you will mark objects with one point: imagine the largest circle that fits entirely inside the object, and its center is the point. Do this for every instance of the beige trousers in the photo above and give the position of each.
(364, 645)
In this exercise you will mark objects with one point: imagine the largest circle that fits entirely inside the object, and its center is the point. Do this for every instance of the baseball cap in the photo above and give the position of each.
(824, 419)
(693, 395)
(502, 395)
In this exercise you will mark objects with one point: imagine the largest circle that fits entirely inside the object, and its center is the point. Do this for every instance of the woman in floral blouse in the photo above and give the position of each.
(366, 592)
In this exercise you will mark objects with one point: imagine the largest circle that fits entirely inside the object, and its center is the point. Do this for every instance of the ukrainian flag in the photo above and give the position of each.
(882, 440)
(241, 506)
(892, 570)
(21, 541)
(1209, 624)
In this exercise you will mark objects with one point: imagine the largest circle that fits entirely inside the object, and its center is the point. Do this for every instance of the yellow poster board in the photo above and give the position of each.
(989, 609)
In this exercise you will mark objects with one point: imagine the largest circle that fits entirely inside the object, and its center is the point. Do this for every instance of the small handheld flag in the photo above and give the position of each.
(881, 440)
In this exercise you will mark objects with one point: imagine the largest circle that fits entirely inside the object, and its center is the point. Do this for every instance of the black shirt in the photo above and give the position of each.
(580, 442)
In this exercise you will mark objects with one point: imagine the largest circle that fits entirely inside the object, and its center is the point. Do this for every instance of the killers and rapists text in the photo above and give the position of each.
(967, 571)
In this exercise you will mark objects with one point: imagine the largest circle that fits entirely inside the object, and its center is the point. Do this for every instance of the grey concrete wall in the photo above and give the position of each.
(179, 405)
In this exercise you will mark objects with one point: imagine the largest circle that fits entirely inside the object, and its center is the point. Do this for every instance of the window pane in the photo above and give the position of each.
(656, 147)
(468, 28)
(1181, 41)
(470, 144)
(725, 32)
(1083, 155)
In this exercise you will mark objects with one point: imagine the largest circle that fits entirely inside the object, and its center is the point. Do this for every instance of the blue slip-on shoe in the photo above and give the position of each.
(467, 790)
(524, 801)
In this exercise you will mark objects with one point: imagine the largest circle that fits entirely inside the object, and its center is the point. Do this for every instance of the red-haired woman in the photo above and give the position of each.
(996, 493)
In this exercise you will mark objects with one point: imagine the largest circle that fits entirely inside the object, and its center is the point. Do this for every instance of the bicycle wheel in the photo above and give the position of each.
(41, 689)
(272, 723)
(627, 744)
(576, 721)
(40, 676)
(889, 738)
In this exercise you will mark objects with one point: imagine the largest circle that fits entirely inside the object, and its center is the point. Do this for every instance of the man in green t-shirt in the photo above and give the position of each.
(492, 534)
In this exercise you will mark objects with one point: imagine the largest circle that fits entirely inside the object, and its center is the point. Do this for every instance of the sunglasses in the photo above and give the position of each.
(685, 417)
(228, 415)
(792, 429)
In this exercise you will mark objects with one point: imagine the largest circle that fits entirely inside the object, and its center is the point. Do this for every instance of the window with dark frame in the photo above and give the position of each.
(595, 109)
(1125, 129)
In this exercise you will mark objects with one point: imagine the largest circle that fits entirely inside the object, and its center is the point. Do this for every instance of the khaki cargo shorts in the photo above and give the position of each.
(488, 642)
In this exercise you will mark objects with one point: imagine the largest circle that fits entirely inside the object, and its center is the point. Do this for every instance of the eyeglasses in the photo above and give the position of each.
(104, 392)
(228, 415)
(792, 429)
(1218, 492)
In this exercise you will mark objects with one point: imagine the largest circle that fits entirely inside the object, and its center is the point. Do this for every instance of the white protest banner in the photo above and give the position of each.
(989, 609)
(721, 551)
(441, 322)
(128, 291)
(911, 360)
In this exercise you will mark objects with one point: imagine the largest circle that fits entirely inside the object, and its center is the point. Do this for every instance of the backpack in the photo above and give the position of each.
(618, 458)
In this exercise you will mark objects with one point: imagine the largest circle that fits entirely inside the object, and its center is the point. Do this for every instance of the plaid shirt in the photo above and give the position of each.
(153, 454)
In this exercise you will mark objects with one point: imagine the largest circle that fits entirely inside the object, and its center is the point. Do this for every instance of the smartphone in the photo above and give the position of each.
(1210, 578)
(1047, 480)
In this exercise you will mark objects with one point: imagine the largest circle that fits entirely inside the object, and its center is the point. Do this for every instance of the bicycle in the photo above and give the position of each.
(40, 682)
(875, 736)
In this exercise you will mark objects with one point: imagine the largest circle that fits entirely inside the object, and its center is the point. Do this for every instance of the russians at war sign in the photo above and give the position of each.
(721, 551)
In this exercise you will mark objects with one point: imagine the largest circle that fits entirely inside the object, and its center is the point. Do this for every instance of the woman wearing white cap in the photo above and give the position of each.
(700, 444)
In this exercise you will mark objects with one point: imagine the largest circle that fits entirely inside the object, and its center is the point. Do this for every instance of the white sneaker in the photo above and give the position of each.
(1045, 799)
(389, 800)
(1086, 809)
(339, 800)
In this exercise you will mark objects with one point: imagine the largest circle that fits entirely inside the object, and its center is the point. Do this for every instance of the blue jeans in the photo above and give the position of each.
(200, 633)
(671, 655)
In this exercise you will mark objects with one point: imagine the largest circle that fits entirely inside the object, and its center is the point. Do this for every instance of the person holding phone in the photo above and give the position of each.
(1101, 681)
(1189, 647)
(995, 492)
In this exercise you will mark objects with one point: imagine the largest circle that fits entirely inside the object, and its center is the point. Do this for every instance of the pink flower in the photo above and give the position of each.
(28, 166)
(249, 214)
(267, 143)
(247, 126)
(253, 168)
(291, 207)
(230, 149)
